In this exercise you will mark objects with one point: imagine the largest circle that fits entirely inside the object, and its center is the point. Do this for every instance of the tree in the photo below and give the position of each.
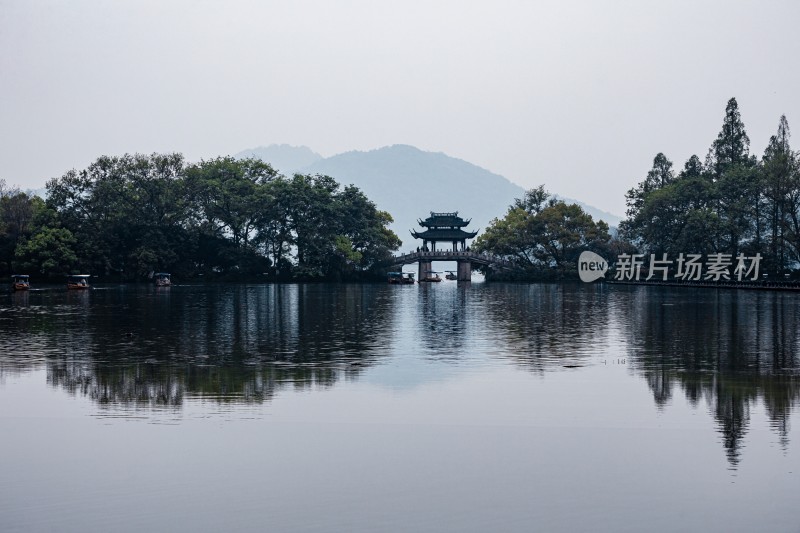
(128, 214)
(366, 228)
(17, 212)
(50, 252)
(225, 218)
(659, 176)
(732, 146)
(335, 232)
(738, 190)
(779, 168)
(542, 235)
(566, 231)
(718, 206)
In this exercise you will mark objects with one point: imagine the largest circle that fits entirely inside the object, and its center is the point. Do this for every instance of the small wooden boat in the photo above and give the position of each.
(430, 277)
(78, 281)
(162, 279)
(451, 275)
(20, 282)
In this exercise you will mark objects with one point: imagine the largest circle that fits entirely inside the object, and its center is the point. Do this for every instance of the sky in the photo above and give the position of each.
(576, 95)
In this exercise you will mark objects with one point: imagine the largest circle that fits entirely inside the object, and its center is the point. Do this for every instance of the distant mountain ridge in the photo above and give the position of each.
(288, 159)
(410, 183)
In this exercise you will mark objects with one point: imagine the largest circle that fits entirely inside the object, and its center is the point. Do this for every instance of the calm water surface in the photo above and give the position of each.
(486, 407)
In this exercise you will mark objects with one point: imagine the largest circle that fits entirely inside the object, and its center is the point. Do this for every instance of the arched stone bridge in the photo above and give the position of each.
(465, 260)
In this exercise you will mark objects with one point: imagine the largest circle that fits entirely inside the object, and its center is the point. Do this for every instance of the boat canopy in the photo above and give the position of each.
(76, 276)
(20, 276)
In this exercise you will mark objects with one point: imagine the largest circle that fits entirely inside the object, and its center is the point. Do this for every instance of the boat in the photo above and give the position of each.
(400, 278)
(451, 275)
(20, 282)
(78, 281)
(162, 279)
(430, 277)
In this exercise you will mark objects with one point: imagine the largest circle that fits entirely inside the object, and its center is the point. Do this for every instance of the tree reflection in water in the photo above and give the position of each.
(545, 327)
(152, 348)
(729, 348)
(228, 343)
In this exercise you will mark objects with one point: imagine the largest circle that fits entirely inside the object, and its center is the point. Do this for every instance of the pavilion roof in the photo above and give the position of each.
(444, 220)
(444, 234)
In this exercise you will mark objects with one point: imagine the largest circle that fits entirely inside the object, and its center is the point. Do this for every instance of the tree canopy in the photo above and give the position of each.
(543, 236)
(732, 203)
(126, 217)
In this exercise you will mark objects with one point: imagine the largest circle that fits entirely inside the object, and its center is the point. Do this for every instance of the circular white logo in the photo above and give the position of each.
(591, 267)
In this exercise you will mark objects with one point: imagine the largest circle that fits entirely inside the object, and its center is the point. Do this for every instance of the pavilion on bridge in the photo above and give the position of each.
(444, 228)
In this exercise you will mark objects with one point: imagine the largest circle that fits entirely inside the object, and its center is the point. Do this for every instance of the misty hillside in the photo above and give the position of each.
(284, 158)
(409, 183)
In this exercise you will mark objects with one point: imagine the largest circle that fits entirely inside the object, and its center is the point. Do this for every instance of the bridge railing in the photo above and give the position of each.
(444, 255)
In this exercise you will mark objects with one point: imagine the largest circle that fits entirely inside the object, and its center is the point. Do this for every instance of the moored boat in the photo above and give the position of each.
(20, 282)
(162, 279)
(430, 277)
(78, 281)
(451, 275)
(401, 278)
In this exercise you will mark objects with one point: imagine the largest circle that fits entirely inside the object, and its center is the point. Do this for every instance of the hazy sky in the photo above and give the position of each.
(579, 96)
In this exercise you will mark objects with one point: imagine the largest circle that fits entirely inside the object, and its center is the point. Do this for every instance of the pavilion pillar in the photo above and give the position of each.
(464, 271)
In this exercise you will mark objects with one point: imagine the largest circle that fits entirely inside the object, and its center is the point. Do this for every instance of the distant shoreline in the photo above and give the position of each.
(728, 284)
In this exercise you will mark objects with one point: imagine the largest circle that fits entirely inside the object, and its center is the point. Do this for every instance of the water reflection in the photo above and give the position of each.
(731, 349)
(444, 320)
(546, 327)
(153, 348)
(146, 346)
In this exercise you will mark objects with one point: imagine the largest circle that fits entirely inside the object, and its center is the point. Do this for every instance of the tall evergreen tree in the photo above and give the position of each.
(732, 146)
(778, 166)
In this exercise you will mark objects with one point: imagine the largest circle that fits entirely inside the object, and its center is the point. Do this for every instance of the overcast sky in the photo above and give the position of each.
(577, 95)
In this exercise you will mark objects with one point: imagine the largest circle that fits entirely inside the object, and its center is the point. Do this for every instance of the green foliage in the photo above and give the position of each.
(543, 236)
(50, 253)
(18, 215)
(732, 146)
(731, 204)
(128, 216)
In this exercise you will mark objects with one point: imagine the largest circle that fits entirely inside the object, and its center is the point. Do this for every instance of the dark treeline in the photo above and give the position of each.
(731, 203)
(124, 217)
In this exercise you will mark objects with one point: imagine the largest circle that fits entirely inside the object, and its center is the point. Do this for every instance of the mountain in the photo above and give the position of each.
(410, 183)
(283, 157)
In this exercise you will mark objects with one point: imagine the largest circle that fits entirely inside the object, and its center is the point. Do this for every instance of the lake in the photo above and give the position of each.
(438, 407)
